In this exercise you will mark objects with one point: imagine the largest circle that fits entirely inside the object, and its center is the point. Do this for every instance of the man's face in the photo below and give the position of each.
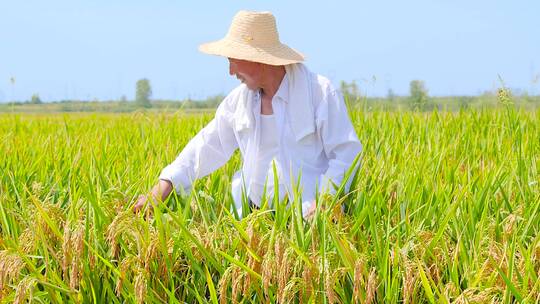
(247, 72)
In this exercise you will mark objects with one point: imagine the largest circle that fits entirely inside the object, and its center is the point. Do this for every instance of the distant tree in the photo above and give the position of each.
(12, 82)
(390, 95)
(143, 93)
(418, 95)
(123, 98)
(35, 99)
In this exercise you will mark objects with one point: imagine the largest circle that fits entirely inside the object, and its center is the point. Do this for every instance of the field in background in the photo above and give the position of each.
(445, 208)
(396, 103)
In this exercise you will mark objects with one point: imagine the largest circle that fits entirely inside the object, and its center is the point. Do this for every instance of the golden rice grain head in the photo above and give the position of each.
(24, 291)
(152, 250)
(223, 284)
(252, 264)
(284, 270)
(495, 257)
(124, 225)
(536, 255)
(140, 286)
(317, 265)
(250, 231)
(170, 246)
(307, 277)
(126, 267)
(510, 223)
(11, 265)
(409, 281)
(56, 217)
(435, 271)
(268, 268)
(371, 286)
(450, 291)
(118, 286)
(358, 279)
(279, 248)
(236, 282)
(329, 284)
(200, 235)
(292, 291)
(74, 254)
(75, 276)
(66, 251)
(27, 241)
(246, 284)
(77, 241)
(91, 254)
(36, 188)
(475, 295)
(254, 237)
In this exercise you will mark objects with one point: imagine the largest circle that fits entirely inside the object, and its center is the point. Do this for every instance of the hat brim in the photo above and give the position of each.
(279, 54)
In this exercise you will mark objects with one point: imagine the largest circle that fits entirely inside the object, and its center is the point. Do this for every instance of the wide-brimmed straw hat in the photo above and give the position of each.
(253, 36)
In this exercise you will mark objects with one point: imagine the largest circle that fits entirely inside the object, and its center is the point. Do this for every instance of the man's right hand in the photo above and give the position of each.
(141, 202)
(158, 194)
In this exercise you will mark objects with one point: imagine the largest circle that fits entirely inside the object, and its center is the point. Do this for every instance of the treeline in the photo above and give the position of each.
(122, 105)
(143, 99)
(418, 99)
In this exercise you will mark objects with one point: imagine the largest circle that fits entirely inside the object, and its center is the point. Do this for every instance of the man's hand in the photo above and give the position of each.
(141, 202)
(311, 211)
(158, 194)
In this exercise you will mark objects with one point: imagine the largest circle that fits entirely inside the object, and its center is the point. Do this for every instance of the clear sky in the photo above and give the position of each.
(74, 49)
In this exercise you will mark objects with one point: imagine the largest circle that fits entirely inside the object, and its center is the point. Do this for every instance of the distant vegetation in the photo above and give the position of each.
(142, 101)
(112, 105)
(418, 99)
(143, 93)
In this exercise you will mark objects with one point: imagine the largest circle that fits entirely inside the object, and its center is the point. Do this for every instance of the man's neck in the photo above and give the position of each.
(272, 80)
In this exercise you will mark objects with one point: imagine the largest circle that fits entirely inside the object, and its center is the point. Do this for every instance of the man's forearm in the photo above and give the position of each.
(162, 190)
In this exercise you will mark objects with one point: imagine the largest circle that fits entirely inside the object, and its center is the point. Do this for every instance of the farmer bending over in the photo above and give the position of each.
(282, 114)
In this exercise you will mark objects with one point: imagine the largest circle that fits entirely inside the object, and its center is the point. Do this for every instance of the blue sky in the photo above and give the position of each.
(64, 49)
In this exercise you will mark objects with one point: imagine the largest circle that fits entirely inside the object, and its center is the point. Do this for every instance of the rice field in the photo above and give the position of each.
(445, 209)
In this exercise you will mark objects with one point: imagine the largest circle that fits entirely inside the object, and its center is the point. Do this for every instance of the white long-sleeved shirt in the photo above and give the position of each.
(262, 179)
(316, 138)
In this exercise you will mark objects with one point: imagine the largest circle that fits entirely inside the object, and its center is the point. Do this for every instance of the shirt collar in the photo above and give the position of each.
(283, 90)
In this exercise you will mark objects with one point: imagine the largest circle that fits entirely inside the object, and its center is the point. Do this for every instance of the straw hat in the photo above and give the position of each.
(253, 36)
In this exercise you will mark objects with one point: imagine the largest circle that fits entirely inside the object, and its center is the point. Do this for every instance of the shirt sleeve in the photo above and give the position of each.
(340, 142)
(210, 149)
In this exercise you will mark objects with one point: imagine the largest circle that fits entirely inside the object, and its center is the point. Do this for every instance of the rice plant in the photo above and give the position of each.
(444, 209)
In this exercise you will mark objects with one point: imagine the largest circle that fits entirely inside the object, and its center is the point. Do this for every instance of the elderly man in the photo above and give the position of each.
(282, 116)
